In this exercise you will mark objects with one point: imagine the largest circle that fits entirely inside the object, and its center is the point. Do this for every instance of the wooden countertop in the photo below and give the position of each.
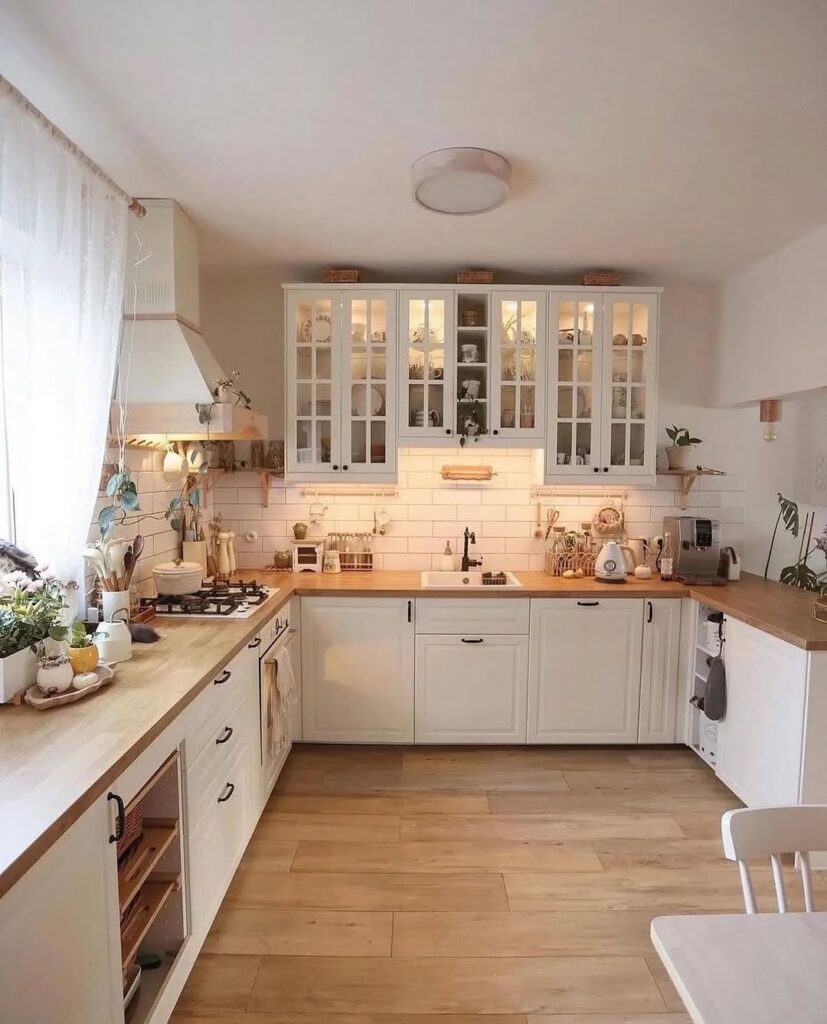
(54, 765)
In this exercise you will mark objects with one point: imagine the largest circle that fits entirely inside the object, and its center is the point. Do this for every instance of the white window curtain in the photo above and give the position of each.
(63, 229)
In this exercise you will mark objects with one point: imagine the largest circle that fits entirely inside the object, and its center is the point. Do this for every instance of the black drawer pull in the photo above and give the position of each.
(479, 640)
(651, 612)
(120, 818)
(255, 643)
(588, 604)
(225, 675)
(229, 789)
(228, 731)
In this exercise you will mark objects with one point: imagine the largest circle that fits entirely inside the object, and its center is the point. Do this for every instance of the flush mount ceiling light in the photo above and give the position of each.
(461, 180)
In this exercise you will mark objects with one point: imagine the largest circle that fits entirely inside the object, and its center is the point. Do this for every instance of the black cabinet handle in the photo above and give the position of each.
(410, 611)
(465, 640)
(597, 469)
(344, 467)
(605, 469)
(229, 789)
(448, 431)
(588, 604)
(255, 643)
(651, 611)
(228, 731)
(495, 432)
(225, 675)
(335, 465)
(120, 818)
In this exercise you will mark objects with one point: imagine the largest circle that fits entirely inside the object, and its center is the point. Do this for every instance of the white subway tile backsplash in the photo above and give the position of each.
(427, 511)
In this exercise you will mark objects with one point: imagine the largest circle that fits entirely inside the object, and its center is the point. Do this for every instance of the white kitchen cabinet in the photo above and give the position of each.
(584, 670)
(602, 378)
(59, 942)
(341, 384)
(494, 615)
(471, 689)
(428, 378)
(518, 367)
(760, 738)
(659, 670)
(357, 669)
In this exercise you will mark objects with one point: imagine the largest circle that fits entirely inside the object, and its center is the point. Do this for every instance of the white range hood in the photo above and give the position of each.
(172, 369)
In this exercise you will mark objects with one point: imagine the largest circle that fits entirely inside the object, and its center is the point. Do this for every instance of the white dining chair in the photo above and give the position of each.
(753, 832)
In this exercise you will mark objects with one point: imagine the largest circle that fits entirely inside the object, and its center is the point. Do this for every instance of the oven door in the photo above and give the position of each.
(275, 729)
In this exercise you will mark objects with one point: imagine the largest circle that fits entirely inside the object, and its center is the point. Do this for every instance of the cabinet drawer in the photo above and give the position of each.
(204, 716)
(217, 842)
(233, 732)
(472, 615)
(471, 689)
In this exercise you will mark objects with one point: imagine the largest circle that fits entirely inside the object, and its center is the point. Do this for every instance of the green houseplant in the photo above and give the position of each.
(679, 453)
(800, 574)
(31, 605)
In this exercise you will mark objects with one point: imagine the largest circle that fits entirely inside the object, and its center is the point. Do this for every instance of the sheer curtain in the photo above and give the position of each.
(63, 232)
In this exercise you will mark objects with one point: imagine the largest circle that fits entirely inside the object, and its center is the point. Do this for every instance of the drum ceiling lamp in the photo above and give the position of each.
(461, 180)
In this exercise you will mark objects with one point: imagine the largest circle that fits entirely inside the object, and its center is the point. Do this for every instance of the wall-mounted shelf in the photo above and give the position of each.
(688, 478)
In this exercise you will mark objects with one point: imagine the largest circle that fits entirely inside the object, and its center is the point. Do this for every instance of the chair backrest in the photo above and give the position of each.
(769, 832)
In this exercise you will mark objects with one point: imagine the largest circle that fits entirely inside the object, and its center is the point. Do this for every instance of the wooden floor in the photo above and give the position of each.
(466, 886)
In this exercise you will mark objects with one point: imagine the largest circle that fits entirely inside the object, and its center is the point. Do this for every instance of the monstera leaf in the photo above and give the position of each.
(789, 513)
(801, 576)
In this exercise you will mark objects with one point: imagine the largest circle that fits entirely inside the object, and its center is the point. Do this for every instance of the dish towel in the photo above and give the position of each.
(285, 681)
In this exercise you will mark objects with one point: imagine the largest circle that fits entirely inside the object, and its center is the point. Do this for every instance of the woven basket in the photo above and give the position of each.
(557, 563)
(475, 277)
(341, 277)
(601, 278)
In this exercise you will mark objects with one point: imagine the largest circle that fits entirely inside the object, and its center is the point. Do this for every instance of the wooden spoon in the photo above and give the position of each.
(128, 568)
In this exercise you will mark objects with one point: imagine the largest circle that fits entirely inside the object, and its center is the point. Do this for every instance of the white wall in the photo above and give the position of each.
(773, 340)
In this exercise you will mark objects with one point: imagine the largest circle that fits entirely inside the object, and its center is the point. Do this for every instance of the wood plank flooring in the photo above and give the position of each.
(467, 886)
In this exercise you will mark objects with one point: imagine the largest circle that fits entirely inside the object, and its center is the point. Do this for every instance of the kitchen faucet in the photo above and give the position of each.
(468, 537)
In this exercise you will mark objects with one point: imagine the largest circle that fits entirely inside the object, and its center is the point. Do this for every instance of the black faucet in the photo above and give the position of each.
(468, 537)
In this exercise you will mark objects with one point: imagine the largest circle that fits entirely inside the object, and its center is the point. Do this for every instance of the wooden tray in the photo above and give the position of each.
(35, 696)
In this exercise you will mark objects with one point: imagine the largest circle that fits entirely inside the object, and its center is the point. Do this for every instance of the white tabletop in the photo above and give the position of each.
(747, 969)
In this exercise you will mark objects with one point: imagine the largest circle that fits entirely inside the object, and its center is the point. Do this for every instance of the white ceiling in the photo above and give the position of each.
(670, 138)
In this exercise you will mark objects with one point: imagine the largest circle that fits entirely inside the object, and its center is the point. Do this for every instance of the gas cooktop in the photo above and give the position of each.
(231, 599)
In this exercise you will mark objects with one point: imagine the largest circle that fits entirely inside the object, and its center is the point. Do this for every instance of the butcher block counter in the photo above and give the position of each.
(55, 764)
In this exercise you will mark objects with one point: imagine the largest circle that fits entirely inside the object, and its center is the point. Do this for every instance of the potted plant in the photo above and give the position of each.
(82, 653)
(226, 391)
(54, 672)
(31, 604)
(471, 417)
(679, 453)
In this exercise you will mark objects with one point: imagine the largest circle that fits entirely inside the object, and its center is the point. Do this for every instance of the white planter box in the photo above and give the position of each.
(17, 671)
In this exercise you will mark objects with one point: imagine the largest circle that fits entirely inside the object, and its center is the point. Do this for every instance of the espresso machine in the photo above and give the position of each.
(696, 548)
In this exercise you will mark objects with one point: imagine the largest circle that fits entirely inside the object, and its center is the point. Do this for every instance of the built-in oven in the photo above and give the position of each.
(277, 693)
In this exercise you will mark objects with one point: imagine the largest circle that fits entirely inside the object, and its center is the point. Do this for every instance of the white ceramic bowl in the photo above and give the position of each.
(177, 578)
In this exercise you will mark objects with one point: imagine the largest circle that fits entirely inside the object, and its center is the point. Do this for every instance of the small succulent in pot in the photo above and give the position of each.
(679, 453)
(54, 673)
(83, 654)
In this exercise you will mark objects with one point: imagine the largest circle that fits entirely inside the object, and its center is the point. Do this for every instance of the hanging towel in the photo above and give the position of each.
(715, 693)
(285, 681)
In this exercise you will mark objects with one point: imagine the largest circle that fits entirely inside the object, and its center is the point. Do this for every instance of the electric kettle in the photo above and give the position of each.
(610, 566)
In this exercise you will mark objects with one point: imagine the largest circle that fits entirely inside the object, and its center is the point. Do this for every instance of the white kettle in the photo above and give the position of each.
(610, 566)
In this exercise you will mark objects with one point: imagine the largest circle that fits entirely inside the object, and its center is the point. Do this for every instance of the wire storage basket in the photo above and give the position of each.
(558, 562)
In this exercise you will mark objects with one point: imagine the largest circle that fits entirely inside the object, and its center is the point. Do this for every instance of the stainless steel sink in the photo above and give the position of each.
(436, 580)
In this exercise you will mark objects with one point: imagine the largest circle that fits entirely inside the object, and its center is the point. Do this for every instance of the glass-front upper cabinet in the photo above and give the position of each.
(313, 355)
(518, 366)
(341, 393)
(369, 372)
(629, 385)
(574, 406)
(426, 339)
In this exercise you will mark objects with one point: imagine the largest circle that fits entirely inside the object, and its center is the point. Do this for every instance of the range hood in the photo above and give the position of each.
(172, 369)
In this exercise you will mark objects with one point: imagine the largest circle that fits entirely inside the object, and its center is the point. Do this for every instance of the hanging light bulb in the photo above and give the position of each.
(770, 415)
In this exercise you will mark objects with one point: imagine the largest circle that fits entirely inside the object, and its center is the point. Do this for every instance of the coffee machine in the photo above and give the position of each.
(696, 547)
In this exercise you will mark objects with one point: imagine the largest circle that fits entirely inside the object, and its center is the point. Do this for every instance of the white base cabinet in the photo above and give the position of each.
(59, 943)
(357, 670)
(471, 689)
(659, 670)
(584, 670)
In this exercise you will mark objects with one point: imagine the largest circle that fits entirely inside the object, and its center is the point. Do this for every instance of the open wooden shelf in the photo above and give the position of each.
(149, 904)
(142, 860)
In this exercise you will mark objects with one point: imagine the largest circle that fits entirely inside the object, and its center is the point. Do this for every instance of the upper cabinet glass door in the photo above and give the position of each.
(518, 366)
(573, 442)
(629, 382)
(313, 407)
(427, 364)
(369, 383)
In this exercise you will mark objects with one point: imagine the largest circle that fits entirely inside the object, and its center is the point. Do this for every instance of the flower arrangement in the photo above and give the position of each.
(30, 609)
